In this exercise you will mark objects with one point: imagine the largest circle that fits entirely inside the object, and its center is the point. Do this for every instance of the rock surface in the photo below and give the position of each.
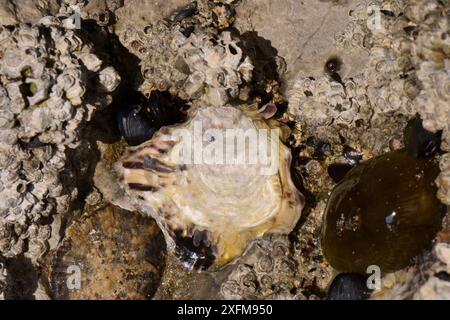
(115, 253)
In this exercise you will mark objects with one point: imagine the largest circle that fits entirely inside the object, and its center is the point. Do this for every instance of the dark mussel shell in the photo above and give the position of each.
(139, 120)
(162, 110)
(349, 286)
(337, 171)
(419, 142)
(134, 125)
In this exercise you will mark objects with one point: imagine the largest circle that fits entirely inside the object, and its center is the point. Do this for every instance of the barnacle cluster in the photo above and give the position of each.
(431, 58)
(51, 82)
(392, 81)
(202, 65)
(267, 271)
(322, 102)
(364, 98)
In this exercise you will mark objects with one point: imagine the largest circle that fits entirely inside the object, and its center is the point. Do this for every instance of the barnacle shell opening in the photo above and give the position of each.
(209, 207)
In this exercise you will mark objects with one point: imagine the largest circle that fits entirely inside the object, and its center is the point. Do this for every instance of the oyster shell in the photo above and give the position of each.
(209, 207)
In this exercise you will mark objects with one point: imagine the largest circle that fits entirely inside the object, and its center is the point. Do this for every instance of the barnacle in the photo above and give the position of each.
(203, 65)
(267, 270)
(44, 84)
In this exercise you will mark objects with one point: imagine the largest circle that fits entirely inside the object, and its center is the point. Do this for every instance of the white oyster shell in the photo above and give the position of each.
(210, 209)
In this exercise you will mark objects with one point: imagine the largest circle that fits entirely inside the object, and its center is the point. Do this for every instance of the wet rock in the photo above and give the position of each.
(108, 254)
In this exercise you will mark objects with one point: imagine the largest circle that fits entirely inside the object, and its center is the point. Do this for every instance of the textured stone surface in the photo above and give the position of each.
(119, 255)
(143, 13)
(27, 11)
(302, 32)
(386, 76)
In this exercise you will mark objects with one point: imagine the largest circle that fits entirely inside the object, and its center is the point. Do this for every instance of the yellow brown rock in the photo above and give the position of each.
(109, 254)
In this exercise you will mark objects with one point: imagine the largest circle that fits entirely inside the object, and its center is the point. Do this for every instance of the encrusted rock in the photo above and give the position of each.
(303, 34)
(44, 86)
(202, 66)
(267, 271)
(427, 280)
(26, 11)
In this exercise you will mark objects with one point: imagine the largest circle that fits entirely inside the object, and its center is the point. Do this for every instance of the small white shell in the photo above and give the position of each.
(90, 60)
(109, 79)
